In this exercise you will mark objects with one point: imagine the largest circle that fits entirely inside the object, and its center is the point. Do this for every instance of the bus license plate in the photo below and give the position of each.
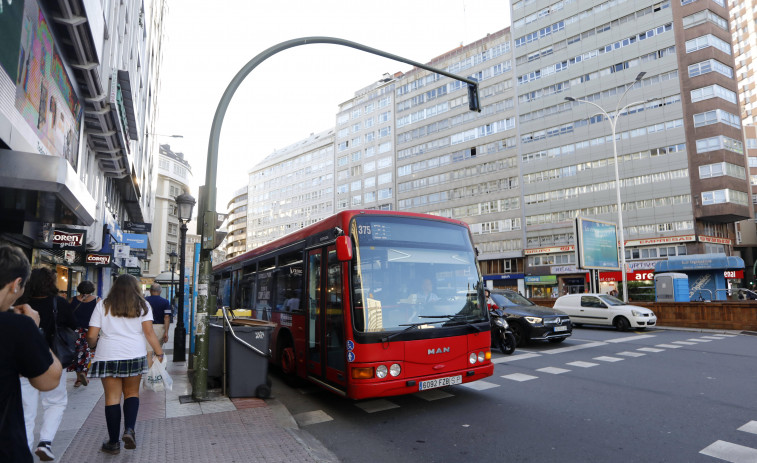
(561, 328)
(440, 382)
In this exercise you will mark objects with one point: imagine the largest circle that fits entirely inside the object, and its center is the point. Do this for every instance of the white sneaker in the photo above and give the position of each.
(44, 451)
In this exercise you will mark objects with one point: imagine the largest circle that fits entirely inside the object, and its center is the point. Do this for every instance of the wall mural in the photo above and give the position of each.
(45, 96)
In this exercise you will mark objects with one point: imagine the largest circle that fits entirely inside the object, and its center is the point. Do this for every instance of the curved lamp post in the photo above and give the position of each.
(185, 203)
(613, 123)
(208, 199)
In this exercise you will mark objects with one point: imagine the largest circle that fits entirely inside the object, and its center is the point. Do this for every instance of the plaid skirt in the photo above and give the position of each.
(119, 368)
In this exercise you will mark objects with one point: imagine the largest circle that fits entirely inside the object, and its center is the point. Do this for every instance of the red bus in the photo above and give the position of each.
(368, 303)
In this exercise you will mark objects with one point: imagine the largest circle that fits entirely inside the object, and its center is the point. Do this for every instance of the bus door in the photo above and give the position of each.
(326, 337)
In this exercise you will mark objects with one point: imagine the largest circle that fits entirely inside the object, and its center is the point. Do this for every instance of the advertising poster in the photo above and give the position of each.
(598, 244)
(45, 96)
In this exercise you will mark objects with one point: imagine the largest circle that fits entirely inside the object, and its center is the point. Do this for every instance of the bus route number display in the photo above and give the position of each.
(374, 231)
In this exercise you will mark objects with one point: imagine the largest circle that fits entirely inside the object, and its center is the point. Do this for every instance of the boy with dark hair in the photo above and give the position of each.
(23, 351)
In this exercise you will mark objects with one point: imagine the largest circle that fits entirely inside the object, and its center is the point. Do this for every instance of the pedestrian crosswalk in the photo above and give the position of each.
(733, 453)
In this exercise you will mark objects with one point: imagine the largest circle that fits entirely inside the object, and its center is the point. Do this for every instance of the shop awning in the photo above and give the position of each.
(699, 262)
(43, 188)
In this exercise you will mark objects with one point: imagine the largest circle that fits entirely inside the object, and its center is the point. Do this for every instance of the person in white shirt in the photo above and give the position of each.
(119, 326)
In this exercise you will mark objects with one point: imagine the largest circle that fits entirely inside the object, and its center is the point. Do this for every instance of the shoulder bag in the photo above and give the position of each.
(64, 340)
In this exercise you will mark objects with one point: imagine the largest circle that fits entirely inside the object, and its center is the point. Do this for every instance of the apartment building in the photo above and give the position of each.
(174, 178)
(78, 89)
(291, 188)
(236, 239)
(680, 152)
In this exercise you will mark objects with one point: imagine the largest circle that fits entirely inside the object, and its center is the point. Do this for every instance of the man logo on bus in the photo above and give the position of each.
(440, 350)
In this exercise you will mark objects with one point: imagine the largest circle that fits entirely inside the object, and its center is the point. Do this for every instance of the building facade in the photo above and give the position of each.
(290, 189)
(78, 89)
(235, 242)
(680, 152)
(174, 178)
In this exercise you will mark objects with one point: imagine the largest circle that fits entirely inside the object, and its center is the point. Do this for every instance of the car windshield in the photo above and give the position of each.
(611, 300)
(409, 272)
(510, 299)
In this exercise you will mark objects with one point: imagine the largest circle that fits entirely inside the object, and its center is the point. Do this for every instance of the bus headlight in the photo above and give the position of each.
(481, 357)
(381, 371)
(472, 358)
(395, 369)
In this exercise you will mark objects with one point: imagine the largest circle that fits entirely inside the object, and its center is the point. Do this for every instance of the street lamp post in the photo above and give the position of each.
(208, 213)
(172, 257)
(185, 203)
(613, 123)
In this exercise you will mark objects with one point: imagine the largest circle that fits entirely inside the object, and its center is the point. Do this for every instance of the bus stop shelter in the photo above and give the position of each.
(706, 272)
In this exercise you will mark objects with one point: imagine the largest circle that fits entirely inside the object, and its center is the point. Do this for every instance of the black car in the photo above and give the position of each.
(531, 322)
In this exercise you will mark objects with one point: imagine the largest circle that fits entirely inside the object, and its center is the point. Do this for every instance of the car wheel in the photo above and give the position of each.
(557, 340)
(519, 333)
(622, 324)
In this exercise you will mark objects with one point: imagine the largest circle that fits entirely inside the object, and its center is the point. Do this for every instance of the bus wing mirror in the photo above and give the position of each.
(343, 248)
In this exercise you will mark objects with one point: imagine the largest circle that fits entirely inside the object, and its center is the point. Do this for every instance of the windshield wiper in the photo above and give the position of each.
(410, 326)
(455, 317)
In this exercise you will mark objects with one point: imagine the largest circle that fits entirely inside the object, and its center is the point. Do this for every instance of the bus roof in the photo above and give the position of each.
(340, 219)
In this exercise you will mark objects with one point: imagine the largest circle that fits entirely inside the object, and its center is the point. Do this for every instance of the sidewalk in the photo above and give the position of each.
(222, 429)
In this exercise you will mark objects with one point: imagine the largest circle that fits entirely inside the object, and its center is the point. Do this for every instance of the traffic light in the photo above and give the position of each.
(211, 236)
(473, 101)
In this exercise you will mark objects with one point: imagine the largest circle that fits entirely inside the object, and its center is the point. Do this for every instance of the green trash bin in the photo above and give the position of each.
(246, 368)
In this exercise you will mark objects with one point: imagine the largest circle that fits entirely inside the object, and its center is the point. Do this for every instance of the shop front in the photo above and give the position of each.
(513, 281)
(541, 286)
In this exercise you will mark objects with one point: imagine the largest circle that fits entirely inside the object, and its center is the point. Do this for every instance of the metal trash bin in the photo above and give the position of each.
(215, 347)
(246, 369)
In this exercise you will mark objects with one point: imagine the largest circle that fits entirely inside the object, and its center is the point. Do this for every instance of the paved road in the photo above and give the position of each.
(601, 396)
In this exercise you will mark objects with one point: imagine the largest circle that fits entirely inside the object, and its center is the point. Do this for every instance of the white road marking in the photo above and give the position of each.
(314, 417)
(712, 337)
(379, 405)
(631, 354)
(733, 453)
(699, 340)
(553, 370)
(750, 427)
(631, 338)
(685, 343)
(669, 346)
(433, 394)
(520, 377)
(583, 364)
(562, 350)
(605, 358)
(512, 358)
(479, 385)
(650, 349)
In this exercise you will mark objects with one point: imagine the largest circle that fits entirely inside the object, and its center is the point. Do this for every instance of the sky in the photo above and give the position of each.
(297, 91)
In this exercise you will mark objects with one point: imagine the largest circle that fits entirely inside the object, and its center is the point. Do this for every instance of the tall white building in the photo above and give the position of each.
(291, 188)
(174, 178)
(78, 89)
(236, 224)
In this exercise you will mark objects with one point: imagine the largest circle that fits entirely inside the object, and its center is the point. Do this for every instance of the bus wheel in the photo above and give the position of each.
(287, 360)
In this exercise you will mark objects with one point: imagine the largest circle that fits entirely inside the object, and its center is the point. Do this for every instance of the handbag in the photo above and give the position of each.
(64, 340)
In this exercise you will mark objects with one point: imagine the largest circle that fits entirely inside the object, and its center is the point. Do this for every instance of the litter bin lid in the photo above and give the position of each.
(251, 322)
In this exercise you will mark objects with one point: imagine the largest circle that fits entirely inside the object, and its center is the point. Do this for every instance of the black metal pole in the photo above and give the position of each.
(180, 333)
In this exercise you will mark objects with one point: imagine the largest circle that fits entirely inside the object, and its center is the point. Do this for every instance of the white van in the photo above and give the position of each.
(603, 309)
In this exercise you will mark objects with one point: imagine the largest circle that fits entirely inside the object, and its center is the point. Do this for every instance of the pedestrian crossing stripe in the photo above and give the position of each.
(733, 453)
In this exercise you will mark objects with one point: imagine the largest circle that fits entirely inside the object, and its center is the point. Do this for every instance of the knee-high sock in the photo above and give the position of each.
(131, 407)
(113, 420)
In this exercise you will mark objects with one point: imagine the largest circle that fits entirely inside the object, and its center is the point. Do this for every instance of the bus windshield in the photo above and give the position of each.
(412, 272)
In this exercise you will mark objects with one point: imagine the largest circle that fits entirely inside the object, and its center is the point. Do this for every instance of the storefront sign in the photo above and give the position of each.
(97, 259)
(630, 276)
(69, 239)
(135, 240)
(734, 274)
(505, 276)
(131, 261)
(541, 280)
(560, 269)
(666, 240)
(641, 265)
(121, 251)
(712, 239)
(549, 250)
(136, 271)
(138, 227)
(141, 253)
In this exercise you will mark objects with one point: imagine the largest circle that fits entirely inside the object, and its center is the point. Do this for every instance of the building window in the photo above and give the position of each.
(705, 41)
(724, 196)
(173, 229)
(710, 65)
(713, 91)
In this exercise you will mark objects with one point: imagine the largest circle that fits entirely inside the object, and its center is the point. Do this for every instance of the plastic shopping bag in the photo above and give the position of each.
(167, 380)
(154, 379)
